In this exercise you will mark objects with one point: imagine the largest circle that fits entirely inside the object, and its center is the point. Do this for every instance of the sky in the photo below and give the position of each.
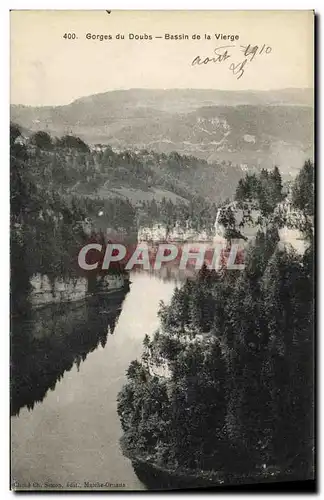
(48, 69)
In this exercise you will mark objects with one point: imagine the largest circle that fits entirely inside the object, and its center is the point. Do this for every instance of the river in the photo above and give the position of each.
(65, 429)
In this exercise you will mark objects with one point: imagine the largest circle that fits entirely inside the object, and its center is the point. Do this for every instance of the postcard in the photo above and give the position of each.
(162, 249)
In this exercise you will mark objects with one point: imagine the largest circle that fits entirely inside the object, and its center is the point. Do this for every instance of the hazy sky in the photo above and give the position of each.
(48, 69)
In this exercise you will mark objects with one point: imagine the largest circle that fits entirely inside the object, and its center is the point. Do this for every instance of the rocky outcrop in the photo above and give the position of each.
(244, 220)
(45, 292)
(159, 232)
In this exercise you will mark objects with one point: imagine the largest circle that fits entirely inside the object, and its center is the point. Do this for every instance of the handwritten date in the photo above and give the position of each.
(236, 66)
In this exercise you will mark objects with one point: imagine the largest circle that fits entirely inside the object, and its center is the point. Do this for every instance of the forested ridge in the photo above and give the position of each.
(57, 199)
(225, 388)
(46, 230)
(226, 384)
(57, 188)
(98, 169)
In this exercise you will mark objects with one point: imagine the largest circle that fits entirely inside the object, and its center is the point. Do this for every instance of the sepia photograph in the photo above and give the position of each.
(162, 250)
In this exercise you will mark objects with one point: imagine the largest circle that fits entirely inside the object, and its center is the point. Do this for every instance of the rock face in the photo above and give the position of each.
(159, 232)
(242, 217)
(111, 282)
(237, 221)
(244, 220)
(188, 234)
(45, 292)
(290, 233)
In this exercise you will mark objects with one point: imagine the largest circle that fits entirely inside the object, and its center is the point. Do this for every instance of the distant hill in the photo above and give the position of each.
(250, 128)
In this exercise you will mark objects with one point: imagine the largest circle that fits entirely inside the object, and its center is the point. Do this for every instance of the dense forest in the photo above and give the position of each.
(265, 188)
(56, 192)
(56, 207)
(224, 389)
(99, 170)
(225, 386)
(46, 230)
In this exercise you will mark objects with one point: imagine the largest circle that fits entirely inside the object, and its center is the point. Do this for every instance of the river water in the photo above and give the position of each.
(65, 429)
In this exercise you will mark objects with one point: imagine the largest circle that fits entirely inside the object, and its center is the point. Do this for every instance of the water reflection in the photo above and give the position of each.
(73, 434)
(47, 342)
(169, 273)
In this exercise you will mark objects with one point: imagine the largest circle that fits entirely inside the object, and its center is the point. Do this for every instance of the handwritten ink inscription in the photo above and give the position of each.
(237, 65)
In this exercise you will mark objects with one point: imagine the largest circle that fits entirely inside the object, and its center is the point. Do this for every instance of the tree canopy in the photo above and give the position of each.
(226, 383)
